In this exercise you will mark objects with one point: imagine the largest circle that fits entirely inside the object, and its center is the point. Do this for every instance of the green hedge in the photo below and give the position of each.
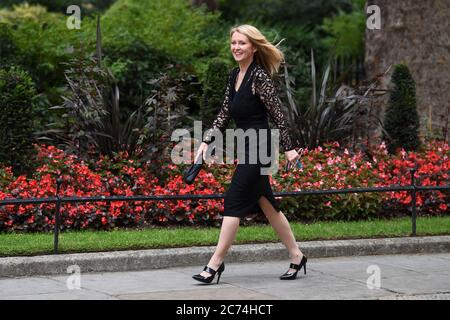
(16, 119)
(174, 28)
(213, 90)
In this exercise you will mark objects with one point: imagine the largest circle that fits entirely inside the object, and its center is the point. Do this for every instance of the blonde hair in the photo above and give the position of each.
(267, 55)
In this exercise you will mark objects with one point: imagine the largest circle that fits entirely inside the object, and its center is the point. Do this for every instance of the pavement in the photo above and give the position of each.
(387, 277)
(388, 268)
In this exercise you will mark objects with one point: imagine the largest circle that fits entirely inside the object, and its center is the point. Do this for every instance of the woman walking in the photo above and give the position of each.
(250, 99)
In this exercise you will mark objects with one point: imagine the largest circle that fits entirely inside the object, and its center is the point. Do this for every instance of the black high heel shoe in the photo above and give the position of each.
(297, 267)
(213, 272)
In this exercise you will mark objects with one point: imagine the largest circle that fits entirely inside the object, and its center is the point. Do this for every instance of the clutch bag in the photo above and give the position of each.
(191, 173)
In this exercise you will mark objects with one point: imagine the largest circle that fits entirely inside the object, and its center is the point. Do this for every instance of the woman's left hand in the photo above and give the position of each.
(292, 155)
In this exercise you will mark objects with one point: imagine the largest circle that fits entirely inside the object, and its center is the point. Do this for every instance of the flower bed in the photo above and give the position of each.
(323, 168)
(119, 176)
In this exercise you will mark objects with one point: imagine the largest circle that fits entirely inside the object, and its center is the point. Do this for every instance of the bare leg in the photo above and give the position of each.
(228, 232)
(281, 226)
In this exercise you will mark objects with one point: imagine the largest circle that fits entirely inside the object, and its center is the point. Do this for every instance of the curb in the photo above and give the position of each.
(178, 257)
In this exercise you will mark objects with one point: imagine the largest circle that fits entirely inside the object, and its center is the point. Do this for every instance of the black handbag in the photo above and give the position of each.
(191, 173)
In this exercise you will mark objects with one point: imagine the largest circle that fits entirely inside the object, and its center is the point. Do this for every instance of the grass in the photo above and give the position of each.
(26, 244)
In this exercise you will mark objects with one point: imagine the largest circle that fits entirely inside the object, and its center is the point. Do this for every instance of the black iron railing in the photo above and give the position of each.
(413, 188)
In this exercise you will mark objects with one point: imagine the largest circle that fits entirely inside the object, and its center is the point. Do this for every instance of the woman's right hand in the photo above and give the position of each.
(201, 151)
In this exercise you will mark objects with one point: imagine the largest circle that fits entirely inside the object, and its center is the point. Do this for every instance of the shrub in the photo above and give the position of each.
(173, 28)
(312, 12)
(346, 31)
(401, 117)
(7, 46)
(42, 42)
(329, 115)
(16, 119)
(94, 115)
(133, 65)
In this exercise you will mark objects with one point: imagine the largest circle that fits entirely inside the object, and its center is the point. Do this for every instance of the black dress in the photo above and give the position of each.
(250, 106)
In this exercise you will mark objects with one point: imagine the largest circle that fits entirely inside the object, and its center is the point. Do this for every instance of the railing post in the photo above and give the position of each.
(413, 201)
(57, 216)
